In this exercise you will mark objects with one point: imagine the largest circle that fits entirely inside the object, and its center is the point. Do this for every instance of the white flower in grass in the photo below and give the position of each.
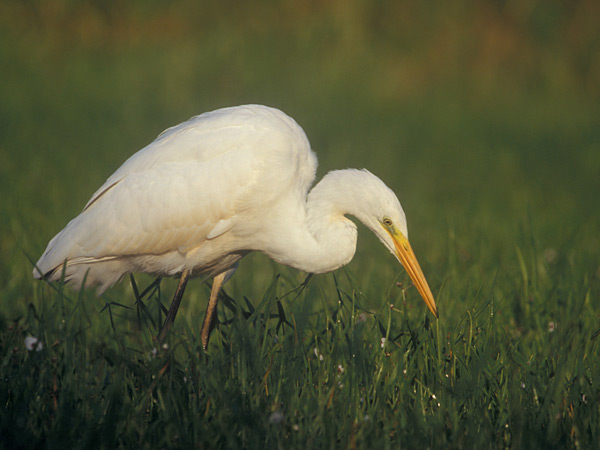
(318, 355)
(551, 327)
(33, 343)
(340, 368)
(276, 417)
(382, 342)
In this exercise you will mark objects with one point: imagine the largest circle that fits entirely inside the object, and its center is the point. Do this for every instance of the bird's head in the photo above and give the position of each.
(381, 211)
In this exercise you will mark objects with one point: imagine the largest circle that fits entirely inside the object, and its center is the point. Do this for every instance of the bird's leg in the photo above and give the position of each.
(174, 306)
(209, 317)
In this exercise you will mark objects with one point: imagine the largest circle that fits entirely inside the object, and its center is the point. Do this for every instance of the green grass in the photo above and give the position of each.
(494, 155)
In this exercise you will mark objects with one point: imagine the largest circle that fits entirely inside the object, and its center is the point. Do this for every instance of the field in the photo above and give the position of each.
(484, 118)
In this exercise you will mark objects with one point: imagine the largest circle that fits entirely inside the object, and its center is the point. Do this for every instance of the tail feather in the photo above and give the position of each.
(83, 271)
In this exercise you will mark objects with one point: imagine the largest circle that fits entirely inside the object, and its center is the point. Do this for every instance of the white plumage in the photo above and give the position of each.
(211, 189)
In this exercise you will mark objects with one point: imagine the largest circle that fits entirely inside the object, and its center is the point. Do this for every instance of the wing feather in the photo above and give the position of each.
(196, 181)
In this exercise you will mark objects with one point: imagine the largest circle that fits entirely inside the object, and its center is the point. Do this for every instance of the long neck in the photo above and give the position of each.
(316, 236)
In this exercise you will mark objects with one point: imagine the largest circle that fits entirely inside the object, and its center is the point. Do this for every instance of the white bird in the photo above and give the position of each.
(208, 191)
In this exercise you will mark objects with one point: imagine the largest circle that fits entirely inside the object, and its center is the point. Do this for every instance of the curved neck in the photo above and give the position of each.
(317, 237)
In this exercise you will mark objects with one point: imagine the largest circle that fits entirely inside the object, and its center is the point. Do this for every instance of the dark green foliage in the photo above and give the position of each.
(344, 376)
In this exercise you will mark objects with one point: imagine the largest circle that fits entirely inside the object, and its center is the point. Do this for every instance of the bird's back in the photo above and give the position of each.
(166, 206)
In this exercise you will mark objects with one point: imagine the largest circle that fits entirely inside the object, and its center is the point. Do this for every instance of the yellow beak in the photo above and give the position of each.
(408, 259)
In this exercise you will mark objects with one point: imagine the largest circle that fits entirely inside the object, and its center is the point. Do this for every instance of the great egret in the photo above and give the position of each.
(208, 191)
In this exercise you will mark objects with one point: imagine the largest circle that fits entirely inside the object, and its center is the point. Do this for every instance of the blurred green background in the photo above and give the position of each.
(483, 116)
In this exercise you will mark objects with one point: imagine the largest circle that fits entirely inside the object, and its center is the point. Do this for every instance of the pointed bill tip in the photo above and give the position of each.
(408, 259)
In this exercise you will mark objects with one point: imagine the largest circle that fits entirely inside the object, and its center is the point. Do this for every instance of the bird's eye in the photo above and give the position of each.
(387, 221)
